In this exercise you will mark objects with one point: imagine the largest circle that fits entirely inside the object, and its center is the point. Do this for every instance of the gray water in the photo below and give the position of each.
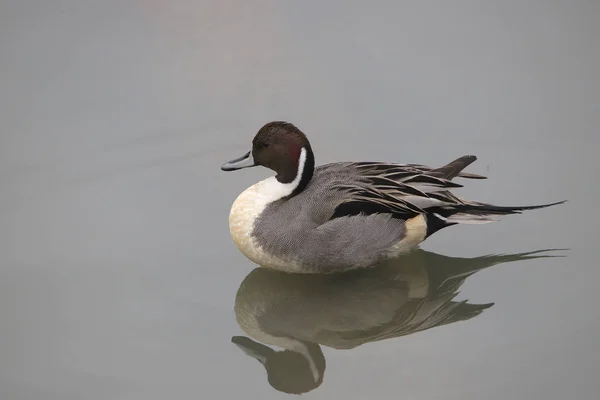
(118, 276)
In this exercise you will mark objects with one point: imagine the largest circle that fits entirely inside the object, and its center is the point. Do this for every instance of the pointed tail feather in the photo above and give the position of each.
(481, 213)
(454, 168)
(471, 176)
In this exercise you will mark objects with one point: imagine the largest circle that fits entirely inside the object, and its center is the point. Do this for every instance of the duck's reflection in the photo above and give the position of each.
(298, 312)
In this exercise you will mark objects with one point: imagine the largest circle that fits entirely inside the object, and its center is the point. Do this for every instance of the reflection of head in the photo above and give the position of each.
(287, 371)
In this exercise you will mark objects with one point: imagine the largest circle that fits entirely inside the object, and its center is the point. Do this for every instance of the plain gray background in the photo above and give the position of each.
(117, 273)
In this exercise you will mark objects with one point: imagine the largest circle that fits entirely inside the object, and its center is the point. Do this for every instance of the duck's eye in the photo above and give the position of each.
(265, 145)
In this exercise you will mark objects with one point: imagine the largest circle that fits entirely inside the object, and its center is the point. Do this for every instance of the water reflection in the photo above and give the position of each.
(299, 313)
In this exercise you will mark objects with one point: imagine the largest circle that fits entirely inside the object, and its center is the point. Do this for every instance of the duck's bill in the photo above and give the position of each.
(253, 349)
(245, 161)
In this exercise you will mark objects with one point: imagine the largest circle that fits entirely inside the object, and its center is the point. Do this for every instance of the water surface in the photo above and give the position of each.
(118, 278)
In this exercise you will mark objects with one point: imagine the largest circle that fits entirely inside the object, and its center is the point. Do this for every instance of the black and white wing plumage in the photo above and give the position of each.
(407, 190)
(401, 190)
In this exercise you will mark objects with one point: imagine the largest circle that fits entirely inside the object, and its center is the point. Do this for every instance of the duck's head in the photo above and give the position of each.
(282, 147)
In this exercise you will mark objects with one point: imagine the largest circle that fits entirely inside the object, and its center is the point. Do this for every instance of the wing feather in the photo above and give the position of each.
(402, 190)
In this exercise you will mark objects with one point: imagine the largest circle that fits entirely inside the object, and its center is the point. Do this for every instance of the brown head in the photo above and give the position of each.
(282, 147)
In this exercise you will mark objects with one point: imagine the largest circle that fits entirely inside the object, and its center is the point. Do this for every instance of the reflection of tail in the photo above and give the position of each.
(450, 312)
(442, 270)
(481, 213)
(424, 314)
(467, 311)
(446, 276)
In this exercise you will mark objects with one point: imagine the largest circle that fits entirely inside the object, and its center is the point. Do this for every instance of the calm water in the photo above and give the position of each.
(118, 277)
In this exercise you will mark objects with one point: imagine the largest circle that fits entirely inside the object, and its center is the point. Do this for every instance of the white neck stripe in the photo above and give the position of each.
(301, 348)
(301, 161)
(272, 190)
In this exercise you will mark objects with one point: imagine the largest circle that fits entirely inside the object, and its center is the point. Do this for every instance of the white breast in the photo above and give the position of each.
(247, 208)
(244, 212)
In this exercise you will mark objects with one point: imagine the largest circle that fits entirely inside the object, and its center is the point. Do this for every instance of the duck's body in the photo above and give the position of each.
(298, 234)
(345, 215)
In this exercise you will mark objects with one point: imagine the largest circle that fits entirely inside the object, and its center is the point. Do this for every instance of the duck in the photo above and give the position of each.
(298, 314)
(343, 215)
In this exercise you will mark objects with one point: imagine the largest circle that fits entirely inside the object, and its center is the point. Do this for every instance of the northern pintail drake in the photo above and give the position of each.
(343, 215)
